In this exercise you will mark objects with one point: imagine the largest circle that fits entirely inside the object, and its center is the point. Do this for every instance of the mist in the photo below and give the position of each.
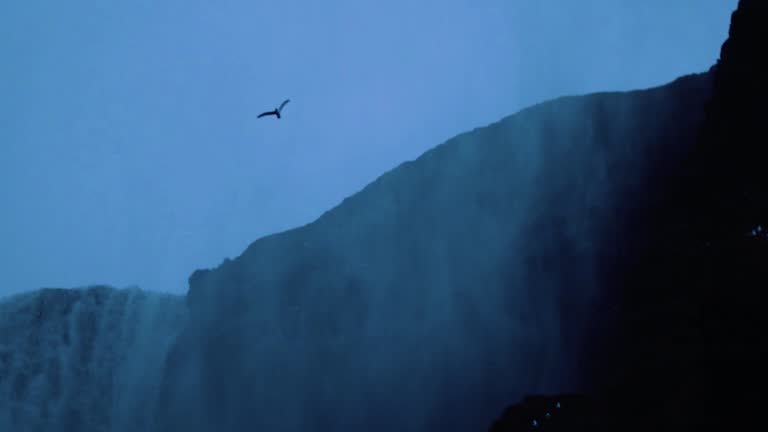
(445, 219)
(131, 154)
(84, 360)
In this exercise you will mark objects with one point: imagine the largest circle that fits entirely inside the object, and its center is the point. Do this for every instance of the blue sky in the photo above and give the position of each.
(130, 152)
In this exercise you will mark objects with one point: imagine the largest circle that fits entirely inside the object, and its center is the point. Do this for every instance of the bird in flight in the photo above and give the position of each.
(276, 111)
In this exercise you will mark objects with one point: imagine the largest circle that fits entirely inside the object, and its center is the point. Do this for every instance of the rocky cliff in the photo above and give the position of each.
(446, 288)
(688, 348)
(611, 244)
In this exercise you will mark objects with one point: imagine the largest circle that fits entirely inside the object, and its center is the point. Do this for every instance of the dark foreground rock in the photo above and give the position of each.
(565, 412)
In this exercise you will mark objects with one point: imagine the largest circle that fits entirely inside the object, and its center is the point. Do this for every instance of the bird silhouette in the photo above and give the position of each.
(276, 111)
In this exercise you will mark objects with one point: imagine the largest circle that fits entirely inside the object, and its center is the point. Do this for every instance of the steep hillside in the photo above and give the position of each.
(83, 359)
(448, 287)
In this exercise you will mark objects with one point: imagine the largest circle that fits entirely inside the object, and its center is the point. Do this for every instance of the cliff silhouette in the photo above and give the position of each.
(493, 266)
(688, 348)
(595, 261)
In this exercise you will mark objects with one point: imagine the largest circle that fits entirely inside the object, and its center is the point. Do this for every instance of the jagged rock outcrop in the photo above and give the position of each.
(733, 148)
(733, 207)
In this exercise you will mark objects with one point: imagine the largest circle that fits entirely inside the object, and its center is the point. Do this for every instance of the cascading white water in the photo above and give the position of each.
(84, 359)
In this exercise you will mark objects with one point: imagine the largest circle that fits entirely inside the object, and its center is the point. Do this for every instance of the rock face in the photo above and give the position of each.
(610, 243)
(731, 210)
(734, 147)
(689, 346)
(83, 359)
(448, 287)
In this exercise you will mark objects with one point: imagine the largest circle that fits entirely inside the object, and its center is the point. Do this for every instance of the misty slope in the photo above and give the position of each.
(83, 359)
(448, 287)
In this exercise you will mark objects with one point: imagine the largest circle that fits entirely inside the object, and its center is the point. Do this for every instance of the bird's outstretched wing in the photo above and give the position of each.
(266, 114)
(283, 104)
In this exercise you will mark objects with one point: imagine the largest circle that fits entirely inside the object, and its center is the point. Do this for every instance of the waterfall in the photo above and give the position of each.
(84, 359)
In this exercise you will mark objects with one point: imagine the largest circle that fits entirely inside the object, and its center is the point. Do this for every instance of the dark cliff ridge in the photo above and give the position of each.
(85, 359)
(689, 345)
(453, 284)
(733, 148)
(472, 172)
(612, 244)
(732, 202)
